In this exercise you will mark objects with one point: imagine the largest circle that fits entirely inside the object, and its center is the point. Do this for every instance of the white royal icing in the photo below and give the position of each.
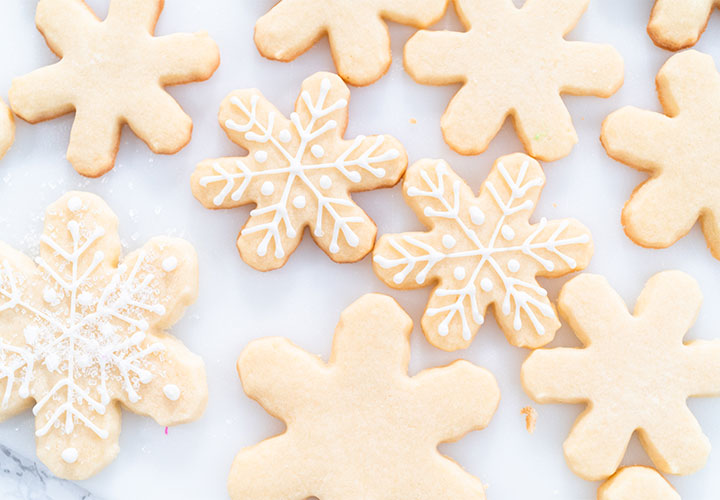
(91, 342)
(297, 170)
(172, 392)
(421, 253)
(169, 264)
(69, 455)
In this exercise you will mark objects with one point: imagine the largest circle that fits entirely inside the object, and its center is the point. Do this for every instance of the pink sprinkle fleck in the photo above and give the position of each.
(166, 431)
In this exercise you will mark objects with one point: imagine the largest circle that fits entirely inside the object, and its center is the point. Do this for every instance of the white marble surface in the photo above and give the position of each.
(303, 300)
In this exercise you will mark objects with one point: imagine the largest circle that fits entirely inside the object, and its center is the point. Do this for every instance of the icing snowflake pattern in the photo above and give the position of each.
(482, 251)
(299, 173)
(78, 333)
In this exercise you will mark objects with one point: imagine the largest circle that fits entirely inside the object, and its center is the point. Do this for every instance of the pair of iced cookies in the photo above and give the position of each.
(511, 61)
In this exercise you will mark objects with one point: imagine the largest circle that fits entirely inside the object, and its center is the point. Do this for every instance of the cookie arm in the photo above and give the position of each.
(675, 441)
(559, 247)
(55, 17)
(545, 128)
(360, 63)
(469, 395)
(427, 57)
(677, 24)
(555, 375)
(130, 13)
(413, 12)
(160, 122)
(280, 376)
(556, 15)
(590, 69)
(289, 29)
(269, 471)
(94, 141)
(596, 444)
(185, 57)
(178, 391)
(36, 97)
(638, 138)
(702, 368)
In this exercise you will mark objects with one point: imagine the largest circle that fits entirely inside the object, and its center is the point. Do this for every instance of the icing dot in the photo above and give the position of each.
(317, 151)
(513, 265)
(85, 299)
(170, 264)
(459, 273)
(69, 455)
(285, 135)
(486, 284)
(267, 188)
(31, 334)
(74, 204)
(172, 392)
(477, 216)
(325, 182)
(261, 156)
(448, 241)
(50, 296)
(299, 201)
(52, 361)
(507, 232)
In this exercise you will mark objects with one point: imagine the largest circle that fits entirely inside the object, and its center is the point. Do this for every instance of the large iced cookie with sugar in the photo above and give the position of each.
(82, 335)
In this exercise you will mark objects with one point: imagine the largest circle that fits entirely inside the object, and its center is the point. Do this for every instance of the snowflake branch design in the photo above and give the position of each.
(492, 253)
(308, 179)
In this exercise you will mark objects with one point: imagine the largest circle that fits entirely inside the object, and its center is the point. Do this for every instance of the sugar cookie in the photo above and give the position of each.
(513, 62)
(482, 251)
(359, 426)
(637, 483)
(7, 129)
(112, 73)
(299, 173)
(81, 335)
(359, 38)
(678, 24)
(634, 373)
(679, 148)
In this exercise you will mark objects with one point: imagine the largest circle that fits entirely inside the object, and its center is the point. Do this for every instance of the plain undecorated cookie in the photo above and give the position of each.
(637, 483)
(359, 426)
(482, 251)
(513, 62)
(299, 173)
(7, 129)
(678, 24)
(633, 372)
(112, 73)
(82, 335)
(358, 36)
(680, 148)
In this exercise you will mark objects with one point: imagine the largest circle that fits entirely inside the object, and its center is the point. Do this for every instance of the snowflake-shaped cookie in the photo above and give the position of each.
(513, 62)
(634, 373)
(112, 73)
(358, 36)
(299, 173)
(637, 483)
(80, 335)
(359, 426)
(482, 251)
(7, 129)
(681, 149)
(678, 24)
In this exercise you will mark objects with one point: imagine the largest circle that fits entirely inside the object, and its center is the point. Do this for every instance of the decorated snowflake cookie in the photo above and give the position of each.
(359, 426)
(357, 32)
(513, 62)
(681, 149)
(482, 251)
(299, 173)
(7, 129)
(678, 24)
(637, 483)
(81, 335)
(634, 373)
(112, 73)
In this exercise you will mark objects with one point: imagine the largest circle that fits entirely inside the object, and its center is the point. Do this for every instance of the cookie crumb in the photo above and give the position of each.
(413, 121)
(530, 418)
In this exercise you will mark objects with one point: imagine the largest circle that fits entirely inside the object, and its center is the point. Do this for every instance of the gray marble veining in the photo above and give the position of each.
(24, 479)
